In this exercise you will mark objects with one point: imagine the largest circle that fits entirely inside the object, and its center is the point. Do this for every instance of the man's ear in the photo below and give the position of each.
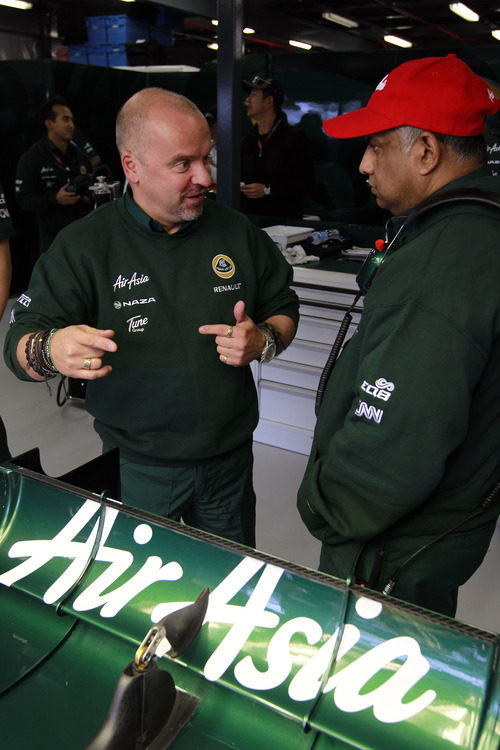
(269, 100)
(129, 165)
(430, 152)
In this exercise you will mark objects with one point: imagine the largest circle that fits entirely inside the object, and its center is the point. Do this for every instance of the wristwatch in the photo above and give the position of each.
(269, 350)
(267, 190)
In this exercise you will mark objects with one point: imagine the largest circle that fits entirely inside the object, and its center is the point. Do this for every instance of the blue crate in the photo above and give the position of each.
(77, 53)
(117, 54)
(97, 54)
(121, 29)
(96, 29)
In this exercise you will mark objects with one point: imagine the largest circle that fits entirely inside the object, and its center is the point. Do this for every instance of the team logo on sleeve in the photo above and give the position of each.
(24, 300)
(369, 412)
(382, 389)
(223, 266)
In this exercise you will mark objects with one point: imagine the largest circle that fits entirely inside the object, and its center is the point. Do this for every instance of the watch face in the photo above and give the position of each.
(269, 352)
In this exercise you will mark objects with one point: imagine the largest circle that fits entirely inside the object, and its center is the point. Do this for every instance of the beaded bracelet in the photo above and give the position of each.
(38, 354)
(48, 355)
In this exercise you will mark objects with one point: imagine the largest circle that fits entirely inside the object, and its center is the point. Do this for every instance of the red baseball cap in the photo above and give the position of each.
(441, 94)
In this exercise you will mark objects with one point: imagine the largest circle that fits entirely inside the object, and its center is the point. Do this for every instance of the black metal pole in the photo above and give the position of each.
(229, 96)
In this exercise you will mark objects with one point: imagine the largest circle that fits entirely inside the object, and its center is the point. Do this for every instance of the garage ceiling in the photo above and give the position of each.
(426, 24)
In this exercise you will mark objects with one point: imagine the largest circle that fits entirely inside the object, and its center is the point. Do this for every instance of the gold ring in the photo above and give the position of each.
(224, 357)
(87, 363)
(229, 332)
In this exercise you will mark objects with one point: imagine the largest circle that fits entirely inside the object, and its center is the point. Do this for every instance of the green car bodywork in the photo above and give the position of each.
(285, 658)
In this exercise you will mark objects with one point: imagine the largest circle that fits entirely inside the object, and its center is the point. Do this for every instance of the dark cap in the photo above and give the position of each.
(269, 85)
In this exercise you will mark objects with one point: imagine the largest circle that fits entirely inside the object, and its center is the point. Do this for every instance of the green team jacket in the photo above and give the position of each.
(41, 171)
(6, 226)
(407, 441)
(169, 397)
(6, 232)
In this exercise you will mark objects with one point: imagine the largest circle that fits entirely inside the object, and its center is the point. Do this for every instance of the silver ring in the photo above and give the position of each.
(229, 332)
(87, 362)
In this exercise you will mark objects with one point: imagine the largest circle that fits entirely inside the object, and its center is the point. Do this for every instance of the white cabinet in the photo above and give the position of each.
(287, 385)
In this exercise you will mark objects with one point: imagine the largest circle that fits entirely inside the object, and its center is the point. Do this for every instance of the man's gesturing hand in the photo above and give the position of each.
(237, 343)
(77, 351)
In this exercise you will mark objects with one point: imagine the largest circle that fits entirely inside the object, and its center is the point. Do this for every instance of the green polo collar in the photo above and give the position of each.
(147, 222)
(56, 151)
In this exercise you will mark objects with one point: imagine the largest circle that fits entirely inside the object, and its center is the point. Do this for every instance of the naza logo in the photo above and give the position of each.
(223, 266)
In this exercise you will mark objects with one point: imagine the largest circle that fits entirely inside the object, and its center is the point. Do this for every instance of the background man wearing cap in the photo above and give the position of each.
(407, 443)
(276, 166)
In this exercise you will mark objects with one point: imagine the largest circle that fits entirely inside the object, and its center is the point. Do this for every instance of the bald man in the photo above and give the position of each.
(161, 300)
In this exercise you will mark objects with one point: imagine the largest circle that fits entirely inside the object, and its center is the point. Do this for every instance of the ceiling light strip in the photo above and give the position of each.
(398, 41)
(18, 4)
(463, 11)
(403, 12)
(301, 45)
(341, 20)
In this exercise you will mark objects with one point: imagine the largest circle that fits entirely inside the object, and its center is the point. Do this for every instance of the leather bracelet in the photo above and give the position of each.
(35, 354)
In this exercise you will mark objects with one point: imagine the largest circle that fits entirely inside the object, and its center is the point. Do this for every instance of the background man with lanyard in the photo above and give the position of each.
(48, 174)
(276, 167)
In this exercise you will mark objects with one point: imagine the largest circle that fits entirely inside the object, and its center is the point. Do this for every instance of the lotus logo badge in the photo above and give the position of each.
(223, 266)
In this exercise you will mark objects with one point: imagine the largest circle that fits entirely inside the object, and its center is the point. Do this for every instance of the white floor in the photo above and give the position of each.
(66, 439)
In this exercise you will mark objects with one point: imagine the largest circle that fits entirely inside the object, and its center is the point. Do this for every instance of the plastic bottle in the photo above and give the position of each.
(322, 235)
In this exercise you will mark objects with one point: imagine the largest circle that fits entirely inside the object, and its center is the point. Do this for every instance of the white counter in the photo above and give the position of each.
(287, 385)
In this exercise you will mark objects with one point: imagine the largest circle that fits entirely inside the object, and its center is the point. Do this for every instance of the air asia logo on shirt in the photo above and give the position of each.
(223, 266)
(124, 282)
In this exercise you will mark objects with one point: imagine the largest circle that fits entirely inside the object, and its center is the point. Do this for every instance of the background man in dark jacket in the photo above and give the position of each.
(50, 173)
(276, 166)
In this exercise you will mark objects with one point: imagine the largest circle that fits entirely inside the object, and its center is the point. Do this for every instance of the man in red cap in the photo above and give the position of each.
(407, 444)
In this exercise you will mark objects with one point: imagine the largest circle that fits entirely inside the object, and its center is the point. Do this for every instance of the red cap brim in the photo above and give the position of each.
(358, 123)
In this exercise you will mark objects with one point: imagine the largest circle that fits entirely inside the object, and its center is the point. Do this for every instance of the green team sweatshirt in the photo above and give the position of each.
(407, 440)
(41, 171)
(169, 397)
